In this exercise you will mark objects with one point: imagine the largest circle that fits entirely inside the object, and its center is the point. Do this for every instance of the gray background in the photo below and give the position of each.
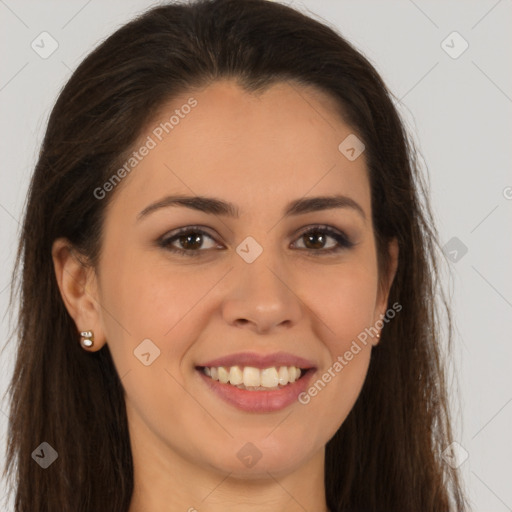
(459, 112)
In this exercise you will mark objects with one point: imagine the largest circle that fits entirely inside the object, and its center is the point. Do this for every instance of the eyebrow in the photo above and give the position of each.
(215, 206)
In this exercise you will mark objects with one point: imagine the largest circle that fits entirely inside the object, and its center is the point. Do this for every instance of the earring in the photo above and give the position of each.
(87, 339)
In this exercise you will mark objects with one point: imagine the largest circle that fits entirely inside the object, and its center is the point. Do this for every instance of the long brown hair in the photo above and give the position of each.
(386, 456)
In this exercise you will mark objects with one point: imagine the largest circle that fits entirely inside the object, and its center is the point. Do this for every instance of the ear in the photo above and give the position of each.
(79, 290)
(386, 281)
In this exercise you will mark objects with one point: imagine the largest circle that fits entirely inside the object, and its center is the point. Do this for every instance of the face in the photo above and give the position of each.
(252, 285)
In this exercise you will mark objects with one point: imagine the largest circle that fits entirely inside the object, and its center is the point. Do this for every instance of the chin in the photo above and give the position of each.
(256, 459)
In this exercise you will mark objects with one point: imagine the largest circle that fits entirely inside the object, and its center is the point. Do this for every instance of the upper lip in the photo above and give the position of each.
(260, 360)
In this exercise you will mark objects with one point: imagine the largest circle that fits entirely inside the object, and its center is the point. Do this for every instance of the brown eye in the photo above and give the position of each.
(190, 241)
(316, 240)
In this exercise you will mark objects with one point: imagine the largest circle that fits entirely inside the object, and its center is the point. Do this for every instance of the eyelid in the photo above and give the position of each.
(344, 242)
(175, 233)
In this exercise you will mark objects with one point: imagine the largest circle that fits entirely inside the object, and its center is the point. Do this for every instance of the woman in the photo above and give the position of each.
(228, 280)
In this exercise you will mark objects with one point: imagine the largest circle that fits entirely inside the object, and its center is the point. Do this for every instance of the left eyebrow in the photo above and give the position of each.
(215, 206)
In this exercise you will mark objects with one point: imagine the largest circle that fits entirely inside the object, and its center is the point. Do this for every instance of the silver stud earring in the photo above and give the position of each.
(86, 339)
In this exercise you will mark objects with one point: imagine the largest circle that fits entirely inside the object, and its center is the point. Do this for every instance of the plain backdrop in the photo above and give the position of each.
(457, 104)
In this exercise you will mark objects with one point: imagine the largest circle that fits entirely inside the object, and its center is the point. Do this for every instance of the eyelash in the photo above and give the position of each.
(342, 240)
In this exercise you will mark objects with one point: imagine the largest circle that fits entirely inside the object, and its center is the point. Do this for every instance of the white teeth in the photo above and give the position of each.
(223, 374)
(236, 376)
(269, 378)
(250, 377)
(282, 375)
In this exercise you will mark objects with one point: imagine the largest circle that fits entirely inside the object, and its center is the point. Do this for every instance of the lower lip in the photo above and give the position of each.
(259, 401)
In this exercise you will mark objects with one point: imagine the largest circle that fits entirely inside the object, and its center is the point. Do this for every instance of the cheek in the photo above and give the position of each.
(144, 299)
(173, 306)
(344, 299)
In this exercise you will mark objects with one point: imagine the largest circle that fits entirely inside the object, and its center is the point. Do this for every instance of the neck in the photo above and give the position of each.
(170, 483)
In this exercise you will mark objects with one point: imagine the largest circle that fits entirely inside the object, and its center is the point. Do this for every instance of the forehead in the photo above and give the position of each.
(274, 146)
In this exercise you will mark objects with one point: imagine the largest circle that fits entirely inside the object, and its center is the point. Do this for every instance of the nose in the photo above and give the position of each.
(262, 298)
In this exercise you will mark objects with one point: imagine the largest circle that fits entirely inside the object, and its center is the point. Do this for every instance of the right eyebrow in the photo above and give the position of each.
(216, 206)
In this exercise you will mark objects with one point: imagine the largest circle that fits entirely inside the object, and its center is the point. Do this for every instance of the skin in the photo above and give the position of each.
(259, 152)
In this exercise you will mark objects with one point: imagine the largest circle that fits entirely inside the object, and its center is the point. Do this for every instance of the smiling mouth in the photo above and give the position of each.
(254, 379)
